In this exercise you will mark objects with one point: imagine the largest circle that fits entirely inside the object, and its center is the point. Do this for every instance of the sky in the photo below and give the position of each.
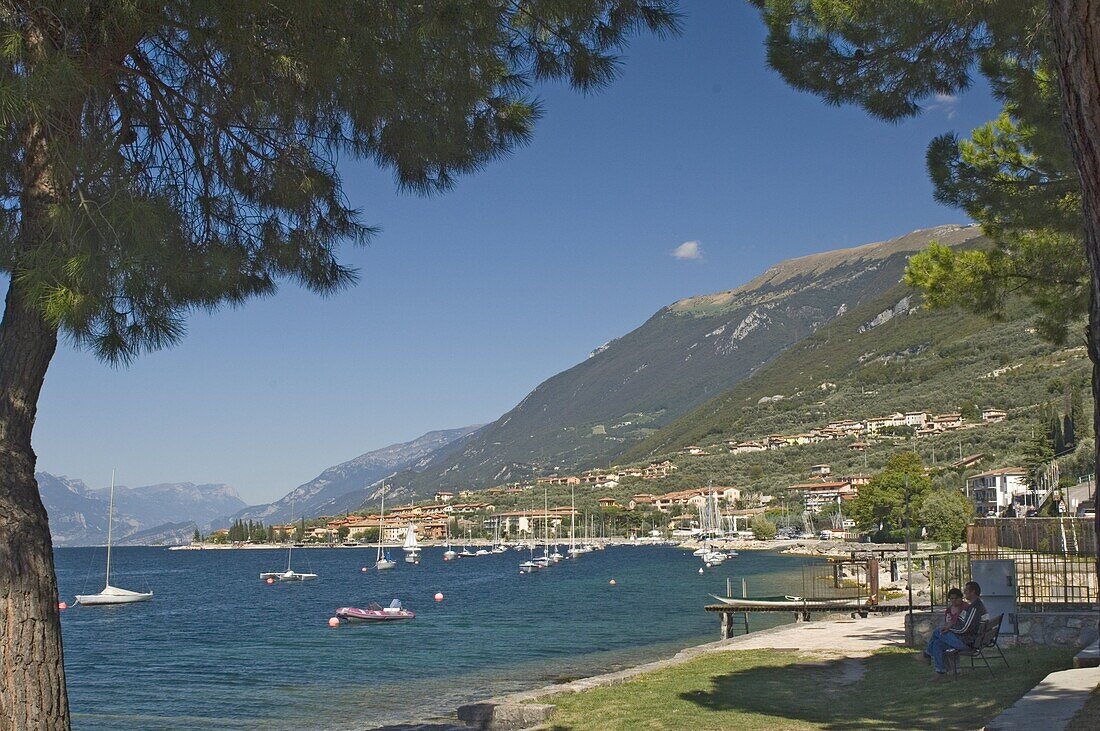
(697, 169)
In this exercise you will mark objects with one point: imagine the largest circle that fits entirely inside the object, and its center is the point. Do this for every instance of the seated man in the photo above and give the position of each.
(963, 633)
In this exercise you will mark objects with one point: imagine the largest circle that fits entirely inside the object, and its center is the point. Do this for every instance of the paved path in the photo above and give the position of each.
(848, 637)
(1051, 704)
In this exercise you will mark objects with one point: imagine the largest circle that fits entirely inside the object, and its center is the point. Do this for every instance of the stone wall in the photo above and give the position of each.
(1065, 629)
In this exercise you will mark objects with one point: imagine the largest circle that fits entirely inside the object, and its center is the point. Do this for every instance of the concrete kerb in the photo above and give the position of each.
(523, 711)
(1051, 704)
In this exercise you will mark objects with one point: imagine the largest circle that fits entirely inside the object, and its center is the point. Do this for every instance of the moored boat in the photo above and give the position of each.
(375, 613)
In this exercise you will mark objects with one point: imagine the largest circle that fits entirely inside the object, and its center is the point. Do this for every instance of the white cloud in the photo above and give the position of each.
(945, 103)
(688, 250)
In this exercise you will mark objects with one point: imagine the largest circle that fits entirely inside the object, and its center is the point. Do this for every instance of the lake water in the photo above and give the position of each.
(217, 648)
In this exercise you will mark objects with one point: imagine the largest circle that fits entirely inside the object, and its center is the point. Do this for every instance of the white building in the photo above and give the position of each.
(995, 490)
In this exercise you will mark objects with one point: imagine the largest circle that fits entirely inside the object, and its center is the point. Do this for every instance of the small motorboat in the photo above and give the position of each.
(482, 552)
(375, 613)
(529, 567)
(449, 555)
(288, 575)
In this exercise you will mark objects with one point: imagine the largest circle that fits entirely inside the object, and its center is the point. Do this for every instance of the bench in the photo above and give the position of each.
(986, 641)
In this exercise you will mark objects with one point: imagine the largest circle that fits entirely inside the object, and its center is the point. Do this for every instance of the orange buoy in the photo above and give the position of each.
(270, 580)
(62, 605)
(333, 621)
(439, 596)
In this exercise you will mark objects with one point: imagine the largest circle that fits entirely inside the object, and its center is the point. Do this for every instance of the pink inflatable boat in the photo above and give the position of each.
(375, 613)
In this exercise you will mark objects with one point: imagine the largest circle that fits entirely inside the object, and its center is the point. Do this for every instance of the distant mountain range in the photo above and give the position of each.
(684, 355)
(348, 485)
(78, 513)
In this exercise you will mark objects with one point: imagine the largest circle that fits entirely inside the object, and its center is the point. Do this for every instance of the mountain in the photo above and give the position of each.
(170, 502)
(78, 514)
(348, 485)
(168, 534)
(890, 354)
(684, 355)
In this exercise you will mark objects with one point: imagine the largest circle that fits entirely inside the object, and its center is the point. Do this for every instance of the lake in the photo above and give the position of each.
(217, 648)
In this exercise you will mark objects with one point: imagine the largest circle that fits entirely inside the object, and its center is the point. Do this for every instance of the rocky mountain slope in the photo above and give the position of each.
(347, 485)
(684, 355)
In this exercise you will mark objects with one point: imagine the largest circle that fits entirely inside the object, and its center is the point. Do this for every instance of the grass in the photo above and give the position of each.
(771, 690)
(1085, 719)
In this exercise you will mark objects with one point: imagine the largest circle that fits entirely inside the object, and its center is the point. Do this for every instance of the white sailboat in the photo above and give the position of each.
(382, 560)
(411, 547)
(449, 554)
(112, 594)
(290, 574)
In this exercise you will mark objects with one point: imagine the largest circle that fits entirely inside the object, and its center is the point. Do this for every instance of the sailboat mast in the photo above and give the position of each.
(381, 520)
(110, 519)
(572, 520)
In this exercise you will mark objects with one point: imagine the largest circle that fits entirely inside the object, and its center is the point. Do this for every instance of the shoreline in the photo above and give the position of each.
(847, 637)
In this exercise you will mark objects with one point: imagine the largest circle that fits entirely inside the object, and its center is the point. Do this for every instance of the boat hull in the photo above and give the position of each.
(357, 615)
(793, 602)
(287, 576)
(113, 595)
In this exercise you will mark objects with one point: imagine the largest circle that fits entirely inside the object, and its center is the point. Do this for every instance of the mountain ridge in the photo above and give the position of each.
(684, 354)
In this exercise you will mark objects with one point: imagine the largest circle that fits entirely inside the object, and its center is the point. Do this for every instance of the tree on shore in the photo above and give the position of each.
(1031, 177)
(160, 158)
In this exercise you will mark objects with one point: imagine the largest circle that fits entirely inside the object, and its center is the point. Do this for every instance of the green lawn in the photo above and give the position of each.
(768, 690)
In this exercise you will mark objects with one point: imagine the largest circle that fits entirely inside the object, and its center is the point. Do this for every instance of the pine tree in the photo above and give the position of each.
(166, 157)
(1030, 177)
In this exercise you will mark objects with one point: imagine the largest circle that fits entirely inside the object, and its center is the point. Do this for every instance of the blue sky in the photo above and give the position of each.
(469, 299)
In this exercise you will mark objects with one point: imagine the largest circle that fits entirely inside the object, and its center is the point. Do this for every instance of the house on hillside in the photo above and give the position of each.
(820, 470)
(944, 422)
(917, 419)
(746, 447)
(642, 498)
(444, 497)
(607, 502)
(995, 490)
(816, 495)
(992, 416)
(882, 422)
(694, 451)
(967, 462)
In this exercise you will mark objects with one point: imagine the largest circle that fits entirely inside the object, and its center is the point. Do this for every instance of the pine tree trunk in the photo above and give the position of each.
(1076, 27)
(32, 673)
(32, 669)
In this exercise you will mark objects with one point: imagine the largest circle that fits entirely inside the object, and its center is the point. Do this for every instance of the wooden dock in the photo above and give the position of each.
(738, 616)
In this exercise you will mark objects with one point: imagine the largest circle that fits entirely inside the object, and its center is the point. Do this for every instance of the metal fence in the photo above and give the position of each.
(1055, 561)
(855, 579)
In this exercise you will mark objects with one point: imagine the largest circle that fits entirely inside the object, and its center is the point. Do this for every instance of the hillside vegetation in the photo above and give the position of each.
(686, 354)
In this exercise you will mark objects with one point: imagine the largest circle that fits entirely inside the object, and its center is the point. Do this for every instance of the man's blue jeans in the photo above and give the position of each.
(939, 644)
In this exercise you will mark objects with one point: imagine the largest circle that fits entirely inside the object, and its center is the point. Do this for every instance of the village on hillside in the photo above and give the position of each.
(474, 513)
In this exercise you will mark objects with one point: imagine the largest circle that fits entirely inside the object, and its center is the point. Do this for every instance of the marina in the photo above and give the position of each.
(217, 649)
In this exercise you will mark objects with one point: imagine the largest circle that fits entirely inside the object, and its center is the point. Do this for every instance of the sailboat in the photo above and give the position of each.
(112, 594)
(382, 561)
(412, 548)
(290, 574)
(449, 554)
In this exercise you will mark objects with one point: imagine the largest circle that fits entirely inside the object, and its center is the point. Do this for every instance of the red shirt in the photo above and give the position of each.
(951, 613)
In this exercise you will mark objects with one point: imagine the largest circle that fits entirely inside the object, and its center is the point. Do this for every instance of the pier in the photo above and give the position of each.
(730, 620)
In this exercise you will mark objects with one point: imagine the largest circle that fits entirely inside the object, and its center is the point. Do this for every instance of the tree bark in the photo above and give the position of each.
(1076, 26)
(32, 673)
(32, 668)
